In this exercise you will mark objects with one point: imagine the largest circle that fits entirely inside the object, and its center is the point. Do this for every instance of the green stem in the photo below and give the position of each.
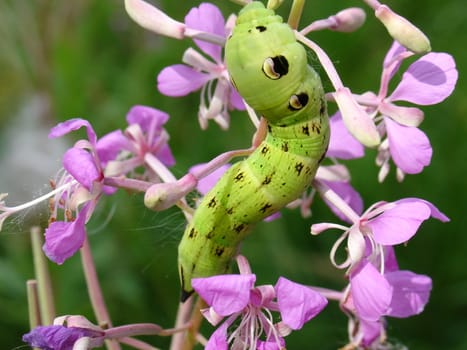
(44, 285)
(296, 13)
(33, 304)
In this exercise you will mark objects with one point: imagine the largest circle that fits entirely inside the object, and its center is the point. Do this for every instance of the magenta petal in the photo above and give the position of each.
(390, 260)
(57, 337)
(180, 80)
(411, 293)
(147, 118)
(63, 239)
(270, 344)
(371, 293)
(371, 331)
(236, 101)
(110, 145)
(81, 165)
(297, 303)
(410, 148)
(164, 154)
(218, 339)
(399, 223)
(435, 212)
(72, 125)
(342, 144)
(226, 294)
(428, 80)
(207, 18)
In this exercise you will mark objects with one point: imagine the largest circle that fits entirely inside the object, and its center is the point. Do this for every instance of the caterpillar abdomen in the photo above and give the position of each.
(269, 68)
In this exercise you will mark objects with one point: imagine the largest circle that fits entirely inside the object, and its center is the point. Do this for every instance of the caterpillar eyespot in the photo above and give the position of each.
(275, 67)
(271, 73)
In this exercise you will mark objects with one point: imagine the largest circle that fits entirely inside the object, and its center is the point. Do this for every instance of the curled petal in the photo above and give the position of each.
(410, 148)
(297, 303)
(153, 19)
(72, 125)
(427, 81)
(371, 293)
(226, 294)
(394, 52)
(357, 121)
(63, 239)
(82, 166)
(342, 144)
(57, 337)
(411, 293)
(400, 222)
(207, 18)
(180, 80)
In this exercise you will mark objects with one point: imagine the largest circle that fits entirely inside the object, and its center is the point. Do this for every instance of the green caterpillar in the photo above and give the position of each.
(269, 68)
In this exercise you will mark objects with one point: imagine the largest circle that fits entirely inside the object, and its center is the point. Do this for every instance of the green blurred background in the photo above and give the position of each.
(62, 59)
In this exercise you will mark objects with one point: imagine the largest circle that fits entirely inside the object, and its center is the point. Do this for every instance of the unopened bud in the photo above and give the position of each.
(403, 31)
(348, 20)
(153, 19)
(162, 196)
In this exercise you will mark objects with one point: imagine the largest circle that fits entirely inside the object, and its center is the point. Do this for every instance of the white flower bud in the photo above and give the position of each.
(403, 31)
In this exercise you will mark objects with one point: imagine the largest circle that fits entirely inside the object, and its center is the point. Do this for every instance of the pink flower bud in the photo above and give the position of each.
(153, 19)
(349, 20)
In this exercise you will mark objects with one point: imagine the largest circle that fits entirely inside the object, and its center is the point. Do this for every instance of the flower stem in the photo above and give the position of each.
(182, 317)
(195, 324)
(126, 183)
(44, 284)
(336, 200)
(33, 304)
(95, 292)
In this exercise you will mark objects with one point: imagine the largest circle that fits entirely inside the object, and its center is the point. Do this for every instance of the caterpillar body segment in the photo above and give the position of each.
(269, 68)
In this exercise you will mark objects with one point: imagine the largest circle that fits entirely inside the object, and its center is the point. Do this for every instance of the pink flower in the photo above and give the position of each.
(87, 165)
(374, 294)
(200, 73)
(234, 296)
(429, 80)
(383, 224)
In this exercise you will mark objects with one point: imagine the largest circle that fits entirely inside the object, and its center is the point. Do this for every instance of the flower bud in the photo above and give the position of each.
(349, 20)
(153, 19)
(403, 31)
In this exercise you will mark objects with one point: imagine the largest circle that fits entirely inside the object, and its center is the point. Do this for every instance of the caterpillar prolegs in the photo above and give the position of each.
(269, 68)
